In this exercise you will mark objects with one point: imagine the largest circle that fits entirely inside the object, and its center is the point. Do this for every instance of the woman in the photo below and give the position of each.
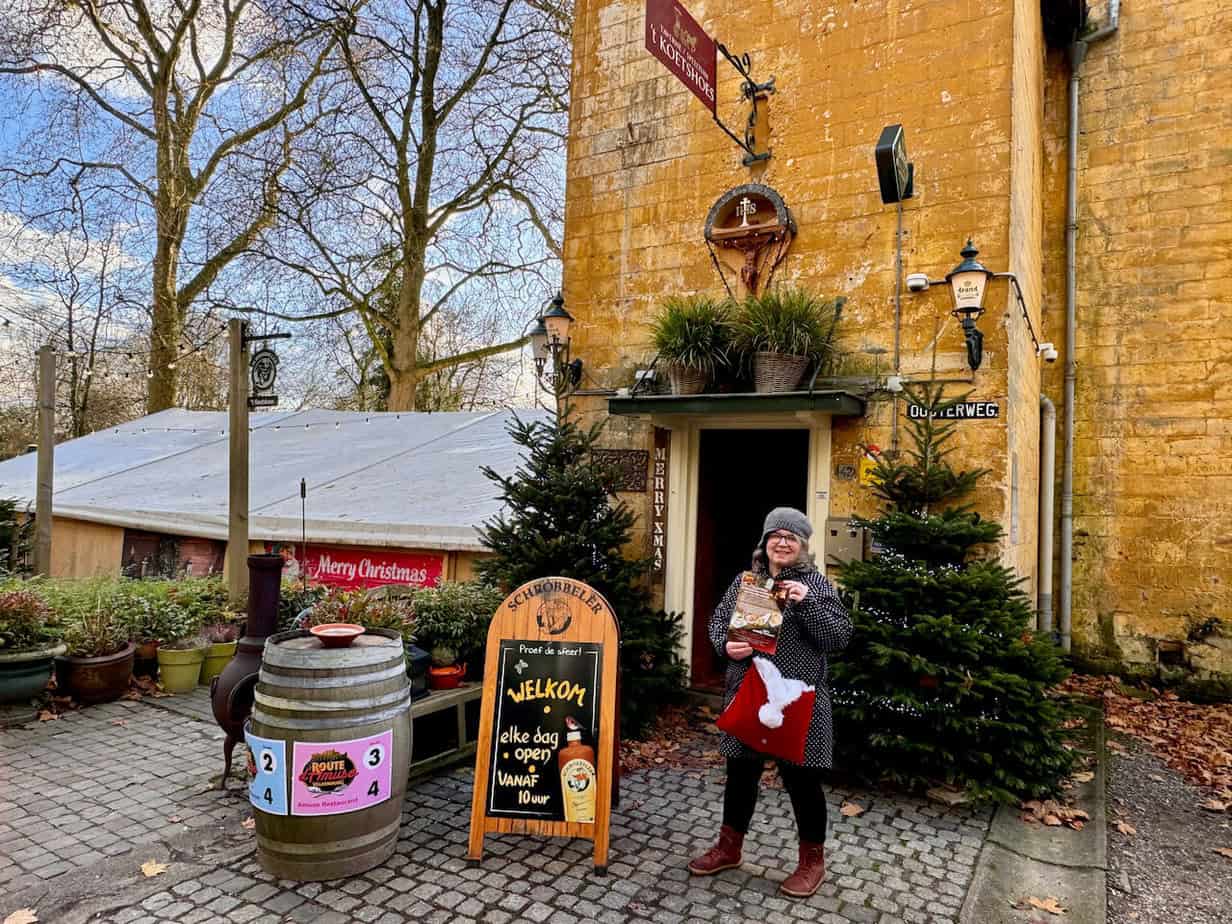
(815, 623)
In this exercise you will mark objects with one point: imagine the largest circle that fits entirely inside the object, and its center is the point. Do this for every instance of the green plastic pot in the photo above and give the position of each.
(24, 674)
(217, 657)
(179, 669)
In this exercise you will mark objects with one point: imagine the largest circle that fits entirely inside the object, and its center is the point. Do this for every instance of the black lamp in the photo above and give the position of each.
(549, 337)
(968, 281)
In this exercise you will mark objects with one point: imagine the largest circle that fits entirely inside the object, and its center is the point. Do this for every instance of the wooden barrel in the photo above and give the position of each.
(330, 737)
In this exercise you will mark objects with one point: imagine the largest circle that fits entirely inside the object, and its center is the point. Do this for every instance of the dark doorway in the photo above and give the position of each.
(741, 476)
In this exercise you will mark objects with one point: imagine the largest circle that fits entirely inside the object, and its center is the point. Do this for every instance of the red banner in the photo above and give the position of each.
(675, 38)
(350, 567)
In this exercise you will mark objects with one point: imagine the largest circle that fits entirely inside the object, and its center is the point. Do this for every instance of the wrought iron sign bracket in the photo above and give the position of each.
(752, 91)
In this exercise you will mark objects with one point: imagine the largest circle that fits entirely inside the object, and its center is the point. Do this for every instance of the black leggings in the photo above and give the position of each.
(803, 785)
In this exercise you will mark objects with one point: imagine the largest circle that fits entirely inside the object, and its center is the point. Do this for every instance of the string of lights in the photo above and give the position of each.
(135, 354)
(276, 427)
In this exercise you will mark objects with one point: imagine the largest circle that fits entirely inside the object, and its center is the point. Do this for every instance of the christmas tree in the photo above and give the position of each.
(944, 679)
(561, 517)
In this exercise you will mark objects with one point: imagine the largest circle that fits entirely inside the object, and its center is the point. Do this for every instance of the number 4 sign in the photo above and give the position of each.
(268, 789)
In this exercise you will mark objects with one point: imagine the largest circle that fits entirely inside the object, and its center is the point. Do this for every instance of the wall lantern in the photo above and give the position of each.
(549, 337)
(968, 282)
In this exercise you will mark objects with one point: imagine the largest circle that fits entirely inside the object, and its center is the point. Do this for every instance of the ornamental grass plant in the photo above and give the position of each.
(693, 332)
(789, 320)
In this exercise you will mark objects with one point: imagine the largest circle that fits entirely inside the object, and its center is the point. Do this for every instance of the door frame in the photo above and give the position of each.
(682, 482)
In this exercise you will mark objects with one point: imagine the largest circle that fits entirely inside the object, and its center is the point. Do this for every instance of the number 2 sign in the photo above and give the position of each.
(268, 789)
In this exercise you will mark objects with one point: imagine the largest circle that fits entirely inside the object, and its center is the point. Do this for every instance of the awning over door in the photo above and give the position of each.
(839, 403)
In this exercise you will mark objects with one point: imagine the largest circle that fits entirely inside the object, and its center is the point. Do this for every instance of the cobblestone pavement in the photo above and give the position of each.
(89, 798)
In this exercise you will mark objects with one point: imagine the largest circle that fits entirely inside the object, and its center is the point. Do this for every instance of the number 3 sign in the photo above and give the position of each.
(268, 789)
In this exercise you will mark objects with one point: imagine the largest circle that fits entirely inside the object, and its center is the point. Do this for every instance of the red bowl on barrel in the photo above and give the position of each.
(337, 634)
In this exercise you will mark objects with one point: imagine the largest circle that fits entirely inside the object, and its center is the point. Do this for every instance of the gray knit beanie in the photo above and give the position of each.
(790, 519)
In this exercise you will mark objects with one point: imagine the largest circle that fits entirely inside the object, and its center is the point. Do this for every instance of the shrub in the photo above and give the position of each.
(364, 609)
(693, 332)
(455, 615)
(26, 622)
(294, 598)
(788, 320)
(96, 632)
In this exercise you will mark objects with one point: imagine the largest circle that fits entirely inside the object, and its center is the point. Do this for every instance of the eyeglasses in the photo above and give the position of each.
(789, 538)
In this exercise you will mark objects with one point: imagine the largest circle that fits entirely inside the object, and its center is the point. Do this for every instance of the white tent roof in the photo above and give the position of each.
(406, 480)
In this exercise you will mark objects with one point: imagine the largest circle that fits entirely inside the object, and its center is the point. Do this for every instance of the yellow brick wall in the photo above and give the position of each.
(1153, 481)
(645, 163)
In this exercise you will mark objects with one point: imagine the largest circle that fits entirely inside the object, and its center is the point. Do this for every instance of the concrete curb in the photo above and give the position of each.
(1018, 860)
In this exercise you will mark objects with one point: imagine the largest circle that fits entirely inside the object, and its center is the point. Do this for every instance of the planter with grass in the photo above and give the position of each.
(783, 332)
(693, 338)
(29, 643)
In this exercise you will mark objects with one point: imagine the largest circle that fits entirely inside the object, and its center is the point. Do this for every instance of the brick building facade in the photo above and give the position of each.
(983, 101)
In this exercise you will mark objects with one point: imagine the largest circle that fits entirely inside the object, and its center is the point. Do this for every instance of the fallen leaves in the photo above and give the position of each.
(46, 715)
(1214, 805)
(175, 819)
(1125, 827)
(120, 722)
(1193, 739)
(851, 810)
(1051, 905)
(1054, 814)
(153, 868)
(1085, 777)
(1224, 852)
(22, 916)
(677, 741)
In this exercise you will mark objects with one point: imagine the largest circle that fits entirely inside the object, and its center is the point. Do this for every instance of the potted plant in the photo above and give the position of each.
(782, 331)
(29, 642)
(693, 336)
(144, 632)
(99, 661)
(181, 649)
(370, 609)
(452, 621)
(223, 637)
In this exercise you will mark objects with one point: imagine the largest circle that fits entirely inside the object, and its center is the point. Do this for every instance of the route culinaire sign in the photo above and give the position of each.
(353, 568)
(675, 38)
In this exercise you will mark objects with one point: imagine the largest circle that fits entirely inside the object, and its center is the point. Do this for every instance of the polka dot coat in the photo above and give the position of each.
(812, 628)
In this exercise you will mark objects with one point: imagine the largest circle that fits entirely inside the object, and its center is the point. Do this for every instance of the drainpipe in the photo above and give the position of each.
(1048, 472)
(1077, 53)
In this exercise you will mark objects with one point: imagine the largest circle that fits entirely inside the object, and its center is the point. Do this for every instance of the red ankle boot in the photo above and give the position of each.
(809, 874)
(723, 855)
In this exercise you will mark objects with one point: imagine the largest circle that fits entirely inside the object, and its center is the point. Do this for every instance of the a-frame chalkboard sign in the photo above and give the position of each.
(547, 727)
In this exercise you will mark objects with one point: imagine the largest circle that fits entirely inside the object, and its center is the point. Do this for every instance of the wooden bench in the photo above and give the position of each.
(440, 701)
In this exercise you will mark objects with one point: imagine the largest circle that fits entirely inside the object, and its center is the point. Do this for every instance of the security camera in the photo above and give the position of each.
(917, 282)
(1049, 352)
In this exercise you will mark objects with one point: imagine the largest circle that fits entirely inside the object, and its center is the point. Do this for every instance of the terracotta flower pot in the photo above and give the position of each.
(179, 669)
(96, 680)
(24, 674)
(217, 657)
(446, 678)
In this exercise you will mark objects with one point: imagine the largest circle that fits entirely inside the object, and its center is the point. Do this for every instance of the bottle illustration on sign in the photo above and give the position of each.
(577, 775)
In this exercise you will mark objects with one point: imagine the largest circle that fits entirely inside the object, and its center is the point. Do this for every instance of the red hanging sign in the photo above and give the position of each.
(351, 568)
(675, 38)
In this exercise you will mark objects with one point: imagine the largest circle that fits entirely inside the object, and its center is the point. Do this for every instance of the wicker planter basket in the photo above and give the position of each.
(687, 381)
(778, 371)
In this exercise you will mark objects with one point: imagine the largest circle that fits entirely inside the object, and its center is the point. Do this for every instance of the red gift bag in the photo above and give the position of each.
(740, 720)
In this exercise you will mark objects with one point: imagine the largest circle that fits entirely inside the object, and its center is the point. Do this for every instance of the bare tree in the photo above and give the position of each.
(188, 111)
(445, 184)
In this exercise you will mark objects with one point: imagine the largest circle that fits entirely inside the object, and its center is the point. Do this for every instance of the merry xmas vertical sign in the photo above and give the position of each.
(675, 38)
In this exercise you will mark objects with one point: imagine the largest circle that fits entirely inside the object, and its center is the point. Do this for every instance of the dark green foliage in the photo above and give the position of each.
(16, 532)
(693, 332)
(561, 517)
(944, 678)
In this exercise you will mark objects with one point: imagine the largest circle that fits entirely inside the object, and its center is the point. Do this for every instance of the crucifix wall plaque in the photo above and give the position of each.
(748, 230)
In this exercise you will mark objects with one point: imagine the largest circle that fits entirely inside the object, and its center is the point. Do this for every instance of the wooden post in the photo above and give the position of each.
(46, 463)
(237, 503)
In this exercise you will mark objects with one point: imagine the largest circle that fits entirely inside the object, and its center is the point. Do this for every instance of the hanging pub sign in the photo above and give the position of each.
(547, 726)
(963, 410)
(263, 369)
(675, 38)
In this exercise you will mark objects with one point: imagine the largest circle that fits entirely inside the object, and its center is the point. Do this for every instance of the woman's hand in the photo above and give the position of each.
(795, 591)
(738, 651)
